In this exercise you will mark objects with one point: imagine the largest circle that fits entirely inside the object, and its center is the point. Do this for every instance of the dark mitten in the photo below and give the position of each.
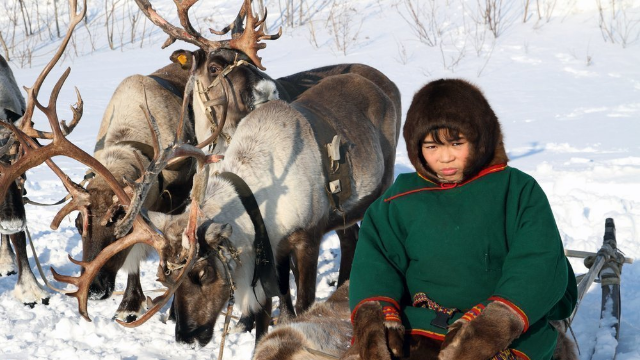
(376, 333)
(482, 333)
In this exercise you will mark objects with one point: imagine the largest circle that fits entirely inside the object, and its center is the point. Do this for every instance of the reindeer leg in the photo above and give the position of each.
(132, 304)
(7, 262)
(172, 310)
(348, 239)
(245, 324)
(133, 301)
(27, 288)
(283, 267)
(306, 248)
(263, 318)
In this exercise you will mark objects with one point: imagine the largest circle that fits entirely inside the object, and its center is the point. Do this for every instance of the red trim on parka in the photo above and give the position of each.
(514, 307)
(376, 298)
(447, 186)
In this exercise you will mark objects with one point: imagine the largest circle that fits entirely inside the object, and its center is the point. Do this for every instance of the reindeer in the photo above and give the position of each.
(31, 154)
(12, 212)
(229, 84)
(278, 151)
(124, 146)
(322, 332)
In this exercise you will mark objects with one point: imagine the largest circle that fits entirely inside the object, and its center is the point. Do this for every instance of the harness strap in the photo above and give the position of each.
(207, 104)
(167, 85)
(336, 170)
(264, 270)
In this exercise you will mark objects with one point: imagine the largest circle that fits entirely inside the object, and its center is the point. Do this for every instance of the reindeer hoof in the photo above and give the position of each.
(45, 301)
(9, 273)
(124, 317)
(31, 305)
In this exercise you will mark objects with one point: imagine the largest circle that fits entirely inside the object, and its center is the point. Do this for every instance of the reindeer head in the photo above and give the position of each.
(98, 233)
(227, 86)
(200, 298)
(228, 82)
(132, 228)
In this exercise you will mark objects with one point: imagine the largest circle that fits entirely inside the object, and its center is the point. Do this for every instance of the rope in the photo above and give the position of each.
(205, 101)
(232, 288)
(44, 278)
(88, 176)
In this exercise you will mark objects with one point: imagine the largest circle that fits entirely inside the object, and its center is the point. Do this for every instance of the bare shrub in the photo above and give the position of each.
(475, 29)
(426, 20)
(341, 21)
(493, 16)
(402, 58)
(4, 47)
(525, 10)
(453, 54)
(545, 9)
(618, 21)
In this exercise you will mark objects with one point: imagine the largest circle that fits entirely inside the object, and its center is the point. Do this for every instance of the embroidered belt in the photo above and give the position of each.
(506, 354)
(443, 314)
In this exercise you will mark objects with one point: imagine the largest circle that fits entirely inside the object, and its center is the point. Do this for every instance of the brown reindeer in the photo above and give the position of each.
(229, 84)
(278, 151)
(125, 146)
(321, 332)
(12, 213)
(32, 154)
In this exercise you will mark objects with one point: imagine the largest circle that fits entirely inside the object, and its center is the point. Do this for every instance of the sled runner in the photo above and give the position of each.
(604, 267)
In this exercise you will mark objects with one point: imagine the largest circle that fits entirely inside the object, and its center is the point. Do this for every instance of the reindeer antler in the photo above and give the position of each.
(33, 154)
(248, 41)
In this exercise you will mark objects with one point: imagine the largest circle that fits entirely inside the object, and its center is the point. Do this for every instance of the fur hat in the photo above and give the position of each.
(457, 105)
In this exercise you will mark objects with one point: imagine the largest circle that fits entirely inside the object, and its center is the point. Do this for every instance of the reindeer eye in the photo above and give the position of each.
(214, 69)
(205, 276)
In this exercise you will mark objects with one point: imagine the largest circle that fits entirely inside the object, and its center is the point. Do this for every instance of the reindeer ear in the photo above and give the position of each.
(215, 232)
(182, 57)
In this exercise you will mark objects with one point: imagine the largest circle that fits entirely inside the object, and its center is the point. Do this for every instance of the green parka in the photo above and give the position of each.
(491, 238)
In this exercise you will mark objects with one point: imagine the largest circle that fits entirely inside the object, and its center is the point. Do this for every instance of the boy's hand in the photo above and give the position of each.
(375, 337)
(482, 337)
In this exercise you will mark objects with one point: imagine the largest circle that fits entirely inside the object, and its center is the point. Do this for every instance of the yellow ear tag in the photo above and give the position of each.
(182, 59)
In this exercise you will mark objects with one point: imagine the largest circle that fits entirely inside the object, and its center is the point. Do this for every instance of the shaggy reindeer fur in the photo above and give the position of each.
(565, 347)
(123, 138)
(12, 214)
(275, 151)
(325, 327)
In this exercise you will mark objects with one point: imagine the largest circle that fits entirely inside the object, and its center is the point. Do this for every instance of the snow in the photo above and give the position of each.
(568, 101)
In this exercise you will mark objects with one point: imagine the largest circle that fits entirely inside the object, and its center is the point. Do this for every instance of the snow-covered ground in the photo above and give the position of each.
(569, 104)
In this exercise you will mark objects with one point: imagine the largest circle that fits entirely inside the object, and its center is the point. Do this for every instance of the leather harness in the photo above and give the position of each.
(335, 167)
(264, 270)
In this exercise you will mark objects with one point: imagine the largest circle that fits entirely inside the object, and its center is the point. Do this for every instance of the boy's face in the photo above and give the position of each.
(447, 159)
